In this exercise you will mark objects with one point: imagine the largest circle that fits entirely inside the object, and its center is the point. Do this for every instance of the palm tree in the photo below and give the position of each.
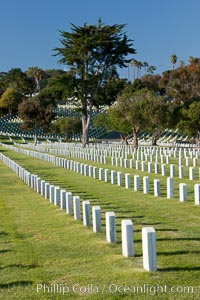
(129, 64)
(181, 64)
(133, 63)
(145, 65)
(151, 70)
(173, 58)
(139, 66)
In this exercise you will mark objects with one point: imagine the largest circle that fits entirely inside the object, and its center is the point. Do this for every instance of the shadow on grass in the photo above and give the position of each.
(187, 239)
(148, 224)
(3, 233)
(5, 251)
(104, 203)
(129, 216)
(19, 266)
(176, 269)
(177, 253)
(2, 150)
(178, 239)
(15, 284)
(167, 229)
(92, 199)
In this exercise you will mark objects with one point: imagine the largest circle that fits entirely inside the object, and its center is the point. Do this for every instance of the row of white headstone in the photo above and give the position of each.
(119, 150)
(65, 200)
(142, 165)
(116, 177)
(99, 153)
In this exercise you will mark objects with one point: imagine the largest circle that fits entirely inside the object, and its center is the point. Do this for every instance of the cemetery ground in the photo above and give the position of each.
(42, 246)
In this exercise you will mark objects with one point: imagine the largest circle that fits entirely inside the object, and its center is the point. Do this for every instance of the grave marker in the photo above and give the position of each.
(110, 227)
(96, 218)
(127, 238)
(149, 248)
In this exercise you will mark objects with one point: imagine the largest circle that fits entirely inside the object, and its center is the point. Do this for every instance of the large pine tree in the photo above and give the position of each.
(93, 53)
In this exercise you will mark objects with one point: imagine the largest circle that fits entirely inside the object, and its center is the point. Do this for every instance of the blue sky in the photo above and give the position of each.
(159, 28)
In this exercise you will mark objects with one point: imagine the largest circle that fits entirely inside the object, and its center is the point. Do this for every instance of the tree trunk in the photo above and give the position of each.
(155, 137)
(198, 139)
(135, 139)
(35, 139)
(124, 139)
(38, 82)
(86, 117)
(85, 138)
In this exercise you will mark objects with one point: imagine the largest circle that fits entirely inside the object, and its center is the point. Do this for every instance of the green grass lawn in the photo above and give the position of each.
(40, 244)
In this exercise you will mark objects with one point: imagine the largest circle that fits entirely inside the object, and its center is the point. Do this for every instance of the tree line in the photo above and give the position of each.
(93, 54)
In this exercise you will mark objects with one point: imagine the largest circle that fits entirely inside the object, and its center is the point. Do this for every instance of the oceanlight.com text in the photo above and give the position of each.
(113, 288)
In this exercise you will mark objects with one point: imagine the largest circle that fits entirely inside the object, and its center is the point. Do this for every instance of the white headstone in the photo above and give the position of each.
(119, 178)
(113, 177)
(69, 209)
(136, 183)
(137, 165)
(149, 167)
(167, 159)
(57, 195)
(47, 185)
(125, 163)
(63, 199)
(117, 161)
(131, 163)
(163, 169)
(86, 212)
(95, 172)
(170, 188)
(143, 166)
(43, 188)
(38, 185)
(156, 187)
(195, 161)
(76, 206)
(149, 249)
(96, 218)
(106, 175)
(110, 227)
(127, 180)
(86, 170)
(156, 168)
(181, 172)
(90, 171)
(191, 173)
(172, 170)
(187, 161)
(145, 184)
(51, 193)
(182, 192)
(127, 238)
(100, 173)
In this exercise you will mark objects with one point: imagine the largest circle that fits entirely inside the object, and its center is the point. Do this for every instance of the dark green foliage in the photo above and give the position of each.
(10, 99)
(137, 110)
(67, 127)
(58, 87)
(190, 121)
(18, 80)
(93, 53)
(36, 113)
